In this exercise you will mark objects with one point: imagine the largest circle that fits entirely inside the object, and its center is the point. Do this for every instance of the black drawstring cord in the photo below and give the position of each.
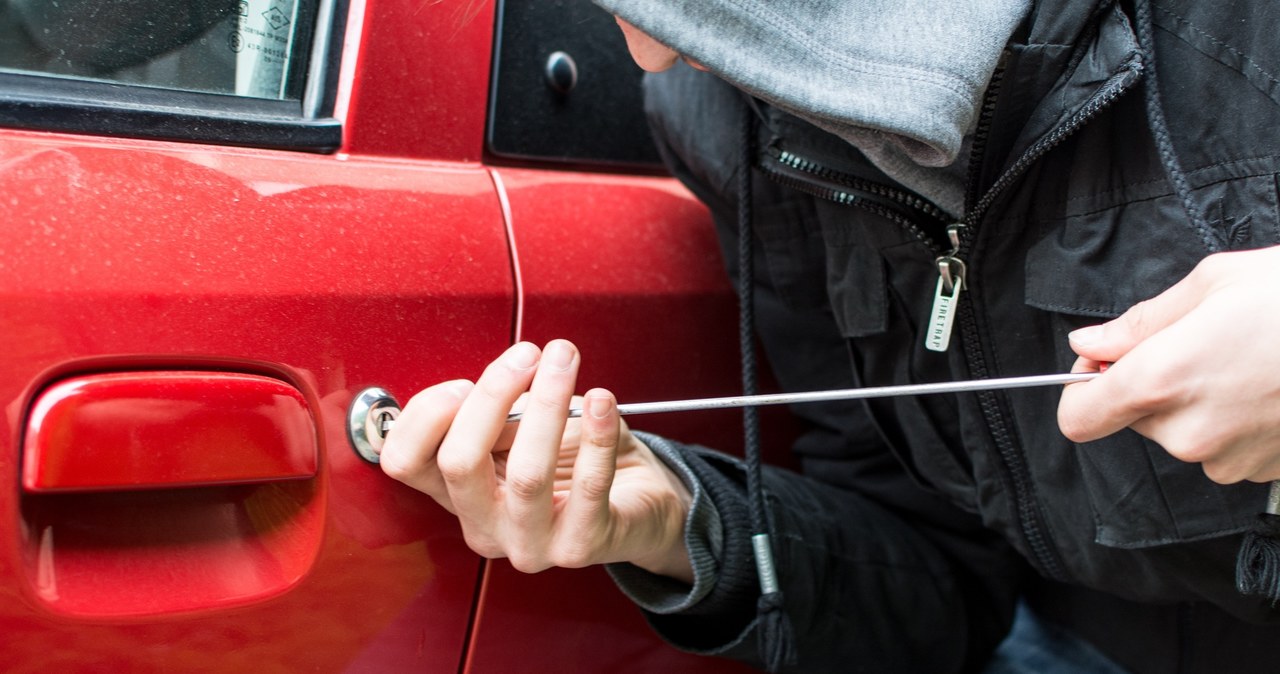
(1258, 561)
(774, 631)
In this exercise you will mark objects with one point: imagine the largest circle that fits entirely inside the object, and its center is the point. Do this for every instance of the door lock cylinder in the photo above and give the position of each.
(372, 413)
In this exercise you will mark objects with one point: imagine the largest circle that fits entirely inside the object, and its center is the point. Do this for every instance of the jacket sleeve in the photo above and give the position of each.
(877, 572)
(865, 588)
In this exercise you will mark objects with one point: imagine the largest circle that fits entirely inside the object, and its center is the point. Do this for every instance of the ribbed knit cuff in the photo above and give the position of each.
(703, 538)
(716, 617)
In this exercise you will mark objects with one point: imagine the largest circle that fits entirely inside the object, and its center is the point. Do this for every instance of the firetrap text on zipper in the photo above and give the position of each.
(951, 277)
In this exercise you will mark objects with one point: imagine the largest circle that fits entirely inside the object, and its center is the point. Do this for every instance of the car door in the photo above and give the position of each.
(219, 222)
(198, 271)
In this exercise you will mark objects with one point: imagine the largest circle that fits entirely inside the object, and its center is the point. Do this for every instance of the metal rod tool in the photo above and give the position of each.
(839, 394)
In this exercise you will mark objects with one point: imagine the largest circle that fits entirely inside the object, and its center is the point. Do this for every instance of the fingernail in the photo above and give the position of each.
(522, 356)
(599, 406)
(1086, 336)
(559, 356)
(458, 388)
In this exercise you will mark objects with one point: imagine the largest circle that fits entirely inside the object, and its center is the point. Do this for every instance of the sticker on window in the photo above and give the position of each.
(263, 41)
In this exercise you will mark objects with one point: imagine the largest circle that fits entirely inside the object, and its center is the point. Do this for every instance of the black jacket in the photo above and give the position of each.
(922, 520)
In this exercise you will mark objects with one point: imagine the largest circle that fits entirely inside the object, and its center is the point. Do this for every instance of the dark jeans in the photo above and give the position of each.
(1037, 647)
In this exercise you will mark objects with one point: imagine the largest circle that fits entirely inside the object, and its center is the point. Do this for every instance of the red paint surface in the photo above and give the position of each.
(572, 621)
(385, 266)
(145, 430)
(628, 268)
(328, 274)
(422, 81)
(155, 555)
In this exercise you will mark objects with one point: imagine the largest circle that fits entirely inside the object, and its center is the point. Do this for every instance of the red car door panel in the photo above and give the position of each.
(326, 275)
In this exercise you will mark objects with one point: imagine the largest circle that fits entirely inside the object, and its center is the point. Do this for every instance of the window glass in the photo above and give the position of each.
(253, 48)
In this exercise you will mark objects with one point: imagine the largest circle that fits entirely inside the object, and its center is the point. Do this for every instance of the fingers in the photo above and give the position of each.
(1078, 416)
(511, 512)
(1266, 472)
(409, 453)
(1191, 373)
(1110, 341)
(586, 514)
(466, 455)
(510, 506)
(1099, 407)
(1138, 381)
(1147, 381)
(531, 465)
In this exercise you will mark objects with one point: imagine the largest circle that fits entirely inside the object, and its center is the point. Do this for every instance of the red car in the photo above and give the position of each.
(222, 221)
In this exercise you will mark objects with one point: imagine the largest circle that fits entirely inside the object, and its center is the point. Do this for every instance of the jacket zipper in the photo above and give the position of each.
(901, 207)
(951, 243)
(951, 266)
(1031, 519)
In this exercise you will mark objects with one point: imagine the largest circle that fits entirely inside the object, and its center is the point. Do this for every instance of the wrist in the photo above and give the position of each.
(670, 555)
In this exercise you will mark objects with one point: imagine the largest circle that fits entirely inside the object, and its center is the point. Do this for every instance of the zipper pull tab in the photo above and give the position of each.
(951, 273)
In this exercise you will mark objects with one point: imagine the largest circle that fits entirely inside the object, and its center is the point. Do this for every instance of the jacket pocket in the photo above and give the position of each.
(1141, 496)
(879, 282)
(1092, 266)
(792, 243)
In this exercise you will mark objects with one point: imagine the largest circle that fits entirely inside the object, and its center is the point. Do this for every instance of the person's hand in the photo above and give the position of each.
(547, 491)
(1196, 369)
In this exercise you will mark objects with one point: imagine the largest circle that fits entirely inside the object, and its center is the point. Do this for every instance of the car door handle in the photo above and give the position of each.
(167, 429)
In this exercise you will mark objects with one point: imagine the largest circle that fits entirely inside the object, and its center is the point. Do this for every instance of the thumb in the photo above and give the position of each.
(1110, 341)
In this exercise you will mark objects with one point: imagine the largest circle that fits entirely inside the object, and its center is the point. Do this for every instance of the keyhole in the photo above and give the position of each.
(385, 420)
(373, 412)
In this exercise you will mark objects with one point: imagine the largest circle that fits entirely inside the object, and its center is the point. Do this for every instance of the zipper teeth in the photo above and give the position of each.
(848, 199)
(904, 198)
(1029, 516)
(992, 406)
(981, 132)
(1093, 107)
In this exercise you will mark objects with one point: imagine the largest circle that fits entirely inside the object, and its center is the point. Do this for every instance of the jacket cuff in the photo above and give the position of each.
(703, 536)
(718, 617)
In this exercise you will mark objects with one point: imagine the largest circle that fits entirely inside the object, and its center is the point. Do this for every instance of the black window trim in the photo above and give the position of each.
(50, 103)
(521, 144)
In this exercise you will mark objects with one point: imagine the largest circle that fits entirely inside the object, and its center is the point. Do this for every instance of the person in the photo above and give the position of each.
(936, 192)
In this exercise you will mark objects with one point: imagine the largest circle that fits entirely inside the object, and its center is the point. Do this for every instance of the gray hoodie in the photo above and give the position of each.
(900, 79)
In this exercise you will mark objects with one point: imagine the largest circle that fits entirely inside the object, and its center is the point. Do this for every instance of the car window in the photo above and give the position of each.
(252, 48)
(256, 73)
